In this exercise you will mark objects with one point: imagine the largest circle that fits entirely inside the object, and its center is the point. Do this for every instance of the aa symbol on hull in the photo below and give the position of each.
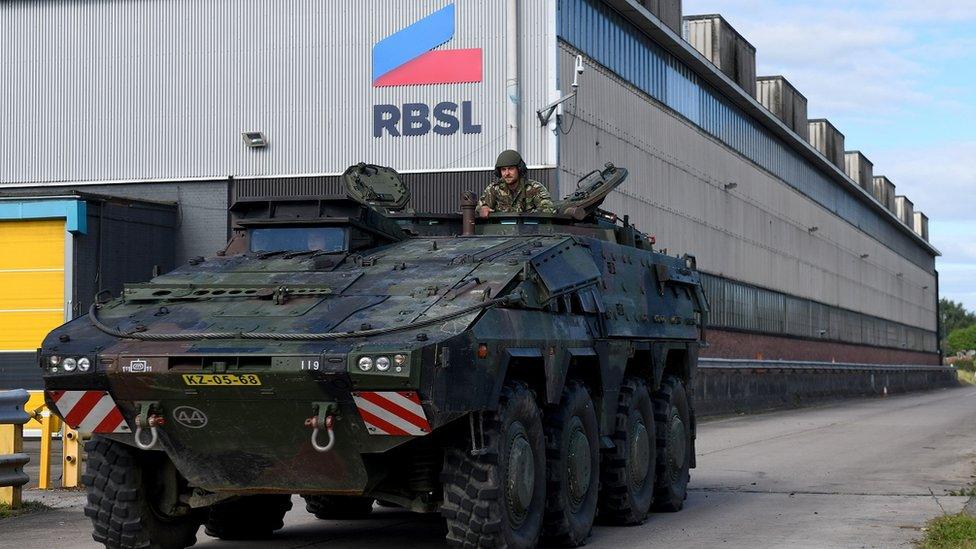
(189, 416)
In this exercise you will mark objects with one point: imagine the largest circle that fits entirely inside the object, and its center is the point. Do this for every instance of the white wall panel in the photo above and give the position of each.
(162, 89)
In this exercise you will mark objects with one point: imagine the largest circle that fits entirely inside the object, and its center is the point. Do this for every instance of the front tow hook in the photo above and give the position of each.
(323, 419)
(148, 419)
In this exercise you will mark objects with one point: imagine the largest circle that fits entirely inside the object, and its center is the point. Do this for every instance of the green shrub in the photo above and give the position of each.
(965, 364)
(963, 339)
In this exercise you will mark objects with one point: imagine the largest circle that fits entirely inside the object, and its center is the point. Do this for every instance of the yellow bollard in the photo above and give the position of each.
(11, 442)
(71, 458)
(47, 430)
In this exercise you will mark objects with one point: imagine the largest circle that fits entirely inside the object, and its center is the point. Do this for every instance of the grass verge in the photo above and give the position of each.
(27, 507)
(966, 376)
(955, 531)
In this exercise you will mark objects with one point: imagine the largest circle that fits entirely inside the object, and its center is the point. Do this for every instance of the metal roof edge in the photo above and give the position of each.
(677, 46)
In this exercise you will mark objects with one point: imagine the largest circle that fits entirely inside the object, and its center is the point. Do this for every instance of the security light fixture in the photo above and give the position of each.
(545, 113)
(813, 229)
(865, 256)
(731, 185)
(255, 140)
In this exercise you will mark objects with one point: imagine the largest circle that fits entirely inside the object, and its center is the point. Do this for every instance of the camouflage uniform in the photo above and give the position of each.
(529, 196)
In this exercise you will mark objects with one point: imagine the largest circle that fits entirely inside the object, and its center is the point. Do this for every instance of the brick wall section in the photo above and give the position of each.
(727, 344)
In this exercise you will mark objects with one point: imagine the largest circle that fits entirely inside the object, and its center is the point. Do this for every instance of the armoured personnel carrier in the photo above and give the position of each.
(519, 374)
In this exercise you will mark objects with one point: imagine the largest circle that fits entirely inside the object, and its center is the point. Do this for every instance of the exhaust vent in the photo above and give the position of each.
(884, 191)
(905, 210)
(922, 225)
(668, 11)
(860, 169)
(785, 102)
(721, 44)
(825, 138)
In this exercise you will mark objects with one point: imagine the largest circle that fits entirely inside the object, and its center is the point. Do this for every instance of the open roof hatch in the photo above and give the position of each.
(591, 190)
(378, 186)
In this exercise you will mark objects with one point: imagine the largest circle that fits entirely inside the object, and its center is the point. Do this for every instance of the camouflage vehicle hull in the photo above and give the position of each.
(493, 376)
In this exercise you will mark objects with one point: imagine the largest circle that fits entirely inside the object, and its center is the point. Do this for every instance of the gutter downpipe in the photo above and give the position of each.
(511, 75)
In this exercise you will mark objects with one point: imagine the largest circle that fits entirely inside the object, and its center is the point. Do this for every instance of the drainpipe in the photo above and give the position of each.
(511, 75)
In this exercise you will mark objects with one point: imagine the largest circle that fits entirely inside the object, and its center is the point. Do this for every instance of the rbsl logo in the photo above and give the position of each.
(408, 58)
(188, 416)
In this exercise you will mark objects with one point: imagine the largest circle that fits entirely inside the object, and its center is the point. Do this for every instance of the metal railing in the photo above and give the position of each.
(12, 456)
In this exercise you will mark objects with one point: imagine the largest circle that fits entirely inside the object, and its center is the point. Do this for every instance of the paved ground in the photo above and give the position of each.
(865, 473)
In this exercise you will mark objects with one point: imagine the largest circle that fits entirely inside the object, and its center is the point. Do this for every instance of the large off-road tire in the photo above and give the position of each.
(497, 498)
(339, 507)
(572, 467)
(627, 470)
(674, 447)
(248, 517)
(121, 481)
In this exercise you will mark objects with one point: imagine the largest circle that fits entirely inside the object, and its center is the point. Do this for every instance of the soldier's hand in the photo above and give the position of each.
(484, 211)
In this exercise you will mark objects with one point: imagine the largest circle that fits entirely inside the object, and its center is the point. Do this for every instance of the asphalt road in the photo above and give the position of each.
(863, 473)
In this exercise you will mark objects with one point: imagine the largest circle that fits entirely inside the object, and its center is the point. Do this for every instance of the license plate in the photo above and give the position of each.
(221, 379)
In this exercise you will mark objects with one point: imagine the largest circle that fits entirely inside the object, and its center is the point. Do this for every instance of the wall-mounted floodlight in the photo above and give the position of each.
(545, 113)
(813, 229)
(731, 185)
(865, 256)
(255, 140)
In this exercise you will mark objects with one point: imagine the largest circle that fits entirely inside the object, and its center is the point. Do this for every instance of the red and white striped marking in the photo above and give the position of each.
(392, 413)
(89, 411)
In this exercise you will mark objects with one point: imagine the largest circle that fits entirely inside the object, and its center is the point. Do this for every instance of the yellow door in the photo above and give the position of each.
(31, 282)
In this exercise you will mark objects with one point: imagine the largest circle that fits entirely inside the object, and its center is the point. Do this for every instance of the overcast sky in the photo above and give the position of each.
(898, 79)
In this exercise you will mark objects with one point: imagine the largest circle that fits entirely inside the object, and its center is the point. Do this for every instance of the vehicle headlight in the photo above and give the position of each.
(83, 364)
(69, 364)
(382, 363)
(399, 360)
(366, 363)
(55, 360)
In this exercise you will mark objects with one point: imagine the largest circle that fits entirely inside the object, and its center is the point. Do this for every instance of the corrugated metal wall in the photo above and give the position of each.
(162, 89)
(738, 306)
(758, 231)
(608, 39)
(429, 192)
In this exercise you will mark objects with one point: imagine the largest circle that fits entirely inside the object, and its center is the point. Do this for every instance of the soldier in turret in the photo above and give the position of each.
(512, 192)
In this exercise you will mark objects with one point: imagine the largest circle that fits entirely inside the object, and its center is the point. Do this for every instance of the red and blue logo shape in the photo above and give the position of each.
(408, 58)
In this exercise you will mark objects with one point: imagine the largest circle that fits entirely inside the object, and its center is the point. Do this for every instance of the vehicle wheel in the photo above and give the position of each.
(497, 498)
(572, 467)
(248, 517)
(627, 470)
(121, 481)
(339, 507)
(671, 414)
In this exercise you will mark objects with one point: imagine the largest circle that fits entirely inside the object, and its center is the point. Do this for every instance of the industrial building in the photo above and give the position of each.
(197, 105)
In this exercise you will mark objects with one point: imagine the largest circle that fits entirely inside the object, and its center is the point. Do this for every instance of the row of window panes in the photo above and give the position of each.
(739, 306)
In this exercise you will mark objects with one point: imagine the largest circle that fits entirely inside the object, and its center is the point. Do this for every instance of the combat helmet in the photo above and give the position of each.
(510, 157)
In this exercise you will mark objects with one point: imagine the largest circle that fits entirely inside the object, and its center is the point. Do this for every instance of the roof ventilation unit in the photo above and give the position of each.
(921, 225)
(668, 11)
(860, 169)
(825, 138)
(785, 102)
(884, 191)
(721, 44)
(905, 210)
